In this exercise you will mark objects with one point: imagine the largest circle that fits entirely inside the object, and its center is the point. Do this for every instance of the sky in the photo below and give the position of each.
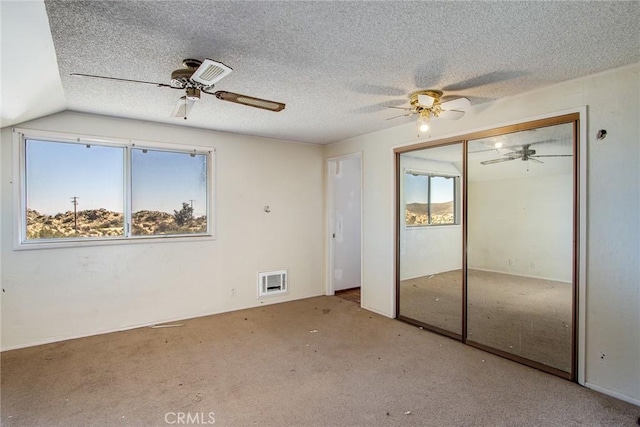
(416, 189)
(162, 181)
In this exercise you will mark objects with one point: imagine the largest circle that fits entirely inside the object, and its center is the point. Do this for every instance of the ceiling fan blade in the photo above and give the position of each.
(553, 155)
(404, 115)
(249, 101)
(490, 162)
(451, 114)
(183, 107)
(515, 154)
(121, 80)
(534, 160)
(400, 108)
(426, 100)
(456, 104)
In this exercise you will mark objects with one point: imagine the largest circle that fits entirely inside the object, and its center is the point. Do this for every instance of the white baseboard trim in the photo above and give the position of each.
(612, 393)
(378, 312)
(520, 275)
(428, 274)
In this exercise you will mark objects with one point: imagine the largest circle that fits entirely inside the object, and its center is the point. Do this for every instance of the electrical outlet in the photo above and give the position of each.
(233, 292)
(532, 264)
(511, 262)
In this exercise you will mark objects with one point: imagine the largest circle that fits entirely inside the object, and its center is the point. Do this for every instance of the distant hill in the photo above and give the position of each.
(441, 213)
(102, 222)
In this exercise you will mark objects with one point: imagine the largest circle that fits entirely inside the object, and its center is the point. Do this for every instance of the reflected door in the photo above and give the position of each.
(430, 238)
(520, 229)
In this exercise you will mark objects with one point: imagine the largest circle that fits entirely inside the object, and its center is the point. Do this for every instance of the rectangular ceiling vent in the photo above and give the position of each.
(272, 283)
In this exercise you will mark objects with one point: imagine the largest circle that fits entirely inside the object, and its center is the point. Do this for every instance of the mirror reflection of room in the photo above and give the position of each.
(520, 244)
(430, 289)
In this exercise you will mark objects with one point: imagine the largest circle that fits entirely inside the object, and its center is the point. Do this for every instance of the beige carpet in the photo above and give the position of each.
(527, 317)
(316, 362)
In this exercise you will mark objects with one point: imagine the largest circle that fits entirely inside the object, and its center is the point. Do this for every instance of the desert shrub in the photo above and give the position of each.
(92, 215)
(184, 216)
(48, 233)
(139, 231)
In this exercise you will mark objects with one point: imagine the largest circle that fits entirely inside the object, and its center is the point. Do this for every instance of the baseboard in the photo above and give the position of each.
(611, 393)
(520, 275)
(378, 312)
(429, 274)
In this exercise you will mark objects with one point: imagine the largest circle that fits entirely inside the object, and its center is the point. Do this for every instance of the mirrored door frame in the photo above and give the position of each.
(579, 220)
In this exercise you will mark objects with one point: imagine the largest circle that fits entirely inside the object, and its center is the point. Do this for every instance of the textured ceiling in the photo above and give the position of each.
(337, 65)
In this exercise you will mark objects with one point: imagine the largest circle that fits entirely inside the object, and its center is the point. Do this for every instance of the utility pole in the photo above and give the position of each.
(74, 201)
(191, 201)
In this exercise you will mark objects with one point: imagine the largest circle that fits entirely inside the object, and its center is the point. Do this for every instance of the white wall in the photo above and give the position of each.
(543, 235)
(56, 294)
(428, 250)
(613, 294)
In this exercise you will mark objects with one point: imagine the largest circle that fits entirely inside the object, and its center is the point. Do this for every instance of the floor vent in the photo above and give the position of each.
(272, 283)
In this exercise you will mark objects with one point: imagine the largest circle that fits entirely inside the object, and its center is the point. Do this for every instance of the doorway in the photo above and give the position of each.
(344, 203)
(487, 250)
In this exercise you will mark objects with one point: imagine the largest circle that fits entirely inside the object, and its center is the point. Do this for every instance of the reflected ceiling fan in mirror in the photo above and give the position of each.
(427, 103)
(525, 153)
(198, 77)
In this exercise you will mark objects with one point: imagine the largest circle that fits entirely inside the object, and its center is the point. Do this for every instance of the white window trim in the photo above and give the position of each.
(19, 190)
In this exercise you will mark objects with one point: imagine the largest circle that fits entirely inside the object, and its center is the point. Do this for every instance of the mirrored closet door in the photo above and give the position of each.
(430, 282)
(487, 240)
(520, 244)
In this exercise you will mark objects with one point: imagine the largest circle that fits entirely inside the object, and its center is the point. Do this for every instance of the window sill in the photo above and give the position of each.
(431, 227)
(35, 245)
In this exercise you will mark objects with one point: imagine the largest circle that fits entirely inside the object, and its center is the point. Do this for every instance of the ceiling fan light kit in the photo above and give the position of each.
(196, 77)
(423, 121)
(427, 103)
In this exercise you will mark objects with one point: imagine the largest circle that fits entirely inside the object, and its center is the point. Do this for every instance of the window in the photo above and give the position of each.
(430, 199)
(82, 190)
(168, 192)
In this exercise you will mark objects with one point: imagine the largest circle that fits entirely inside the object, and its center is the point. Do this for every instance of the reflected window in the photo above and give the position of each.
(430, 199)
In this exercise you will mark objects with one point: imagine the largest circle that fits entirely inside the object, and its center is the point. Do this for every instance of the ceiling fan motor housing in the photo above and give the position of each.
(426, 110)
(181, 78)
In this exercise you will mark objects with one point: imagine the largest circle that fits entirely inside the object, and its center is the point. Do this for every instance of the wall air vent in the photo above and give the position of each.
(272, 283)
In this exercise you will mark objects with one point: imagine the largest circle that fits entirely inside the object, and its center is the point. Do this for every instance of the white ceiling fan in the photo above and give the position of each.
(198, 77)
(427, 103)
(525, 153)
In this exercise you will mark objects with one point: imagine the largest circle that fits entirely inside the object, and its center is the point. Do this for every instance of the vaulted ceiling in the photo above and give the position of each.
(338, 66)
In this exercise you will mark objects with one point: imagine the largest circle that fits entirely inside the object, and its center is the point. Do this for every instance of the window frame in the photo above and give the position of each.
(20, 136)
(456, 197)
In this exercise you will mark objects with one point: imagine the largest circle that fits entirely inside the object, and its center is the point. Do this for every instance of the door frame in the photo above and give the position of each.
(329, 194)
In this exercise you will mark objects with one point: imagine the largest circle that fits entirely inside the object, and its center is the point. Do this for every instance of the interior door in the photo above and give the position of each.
(346, 222)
